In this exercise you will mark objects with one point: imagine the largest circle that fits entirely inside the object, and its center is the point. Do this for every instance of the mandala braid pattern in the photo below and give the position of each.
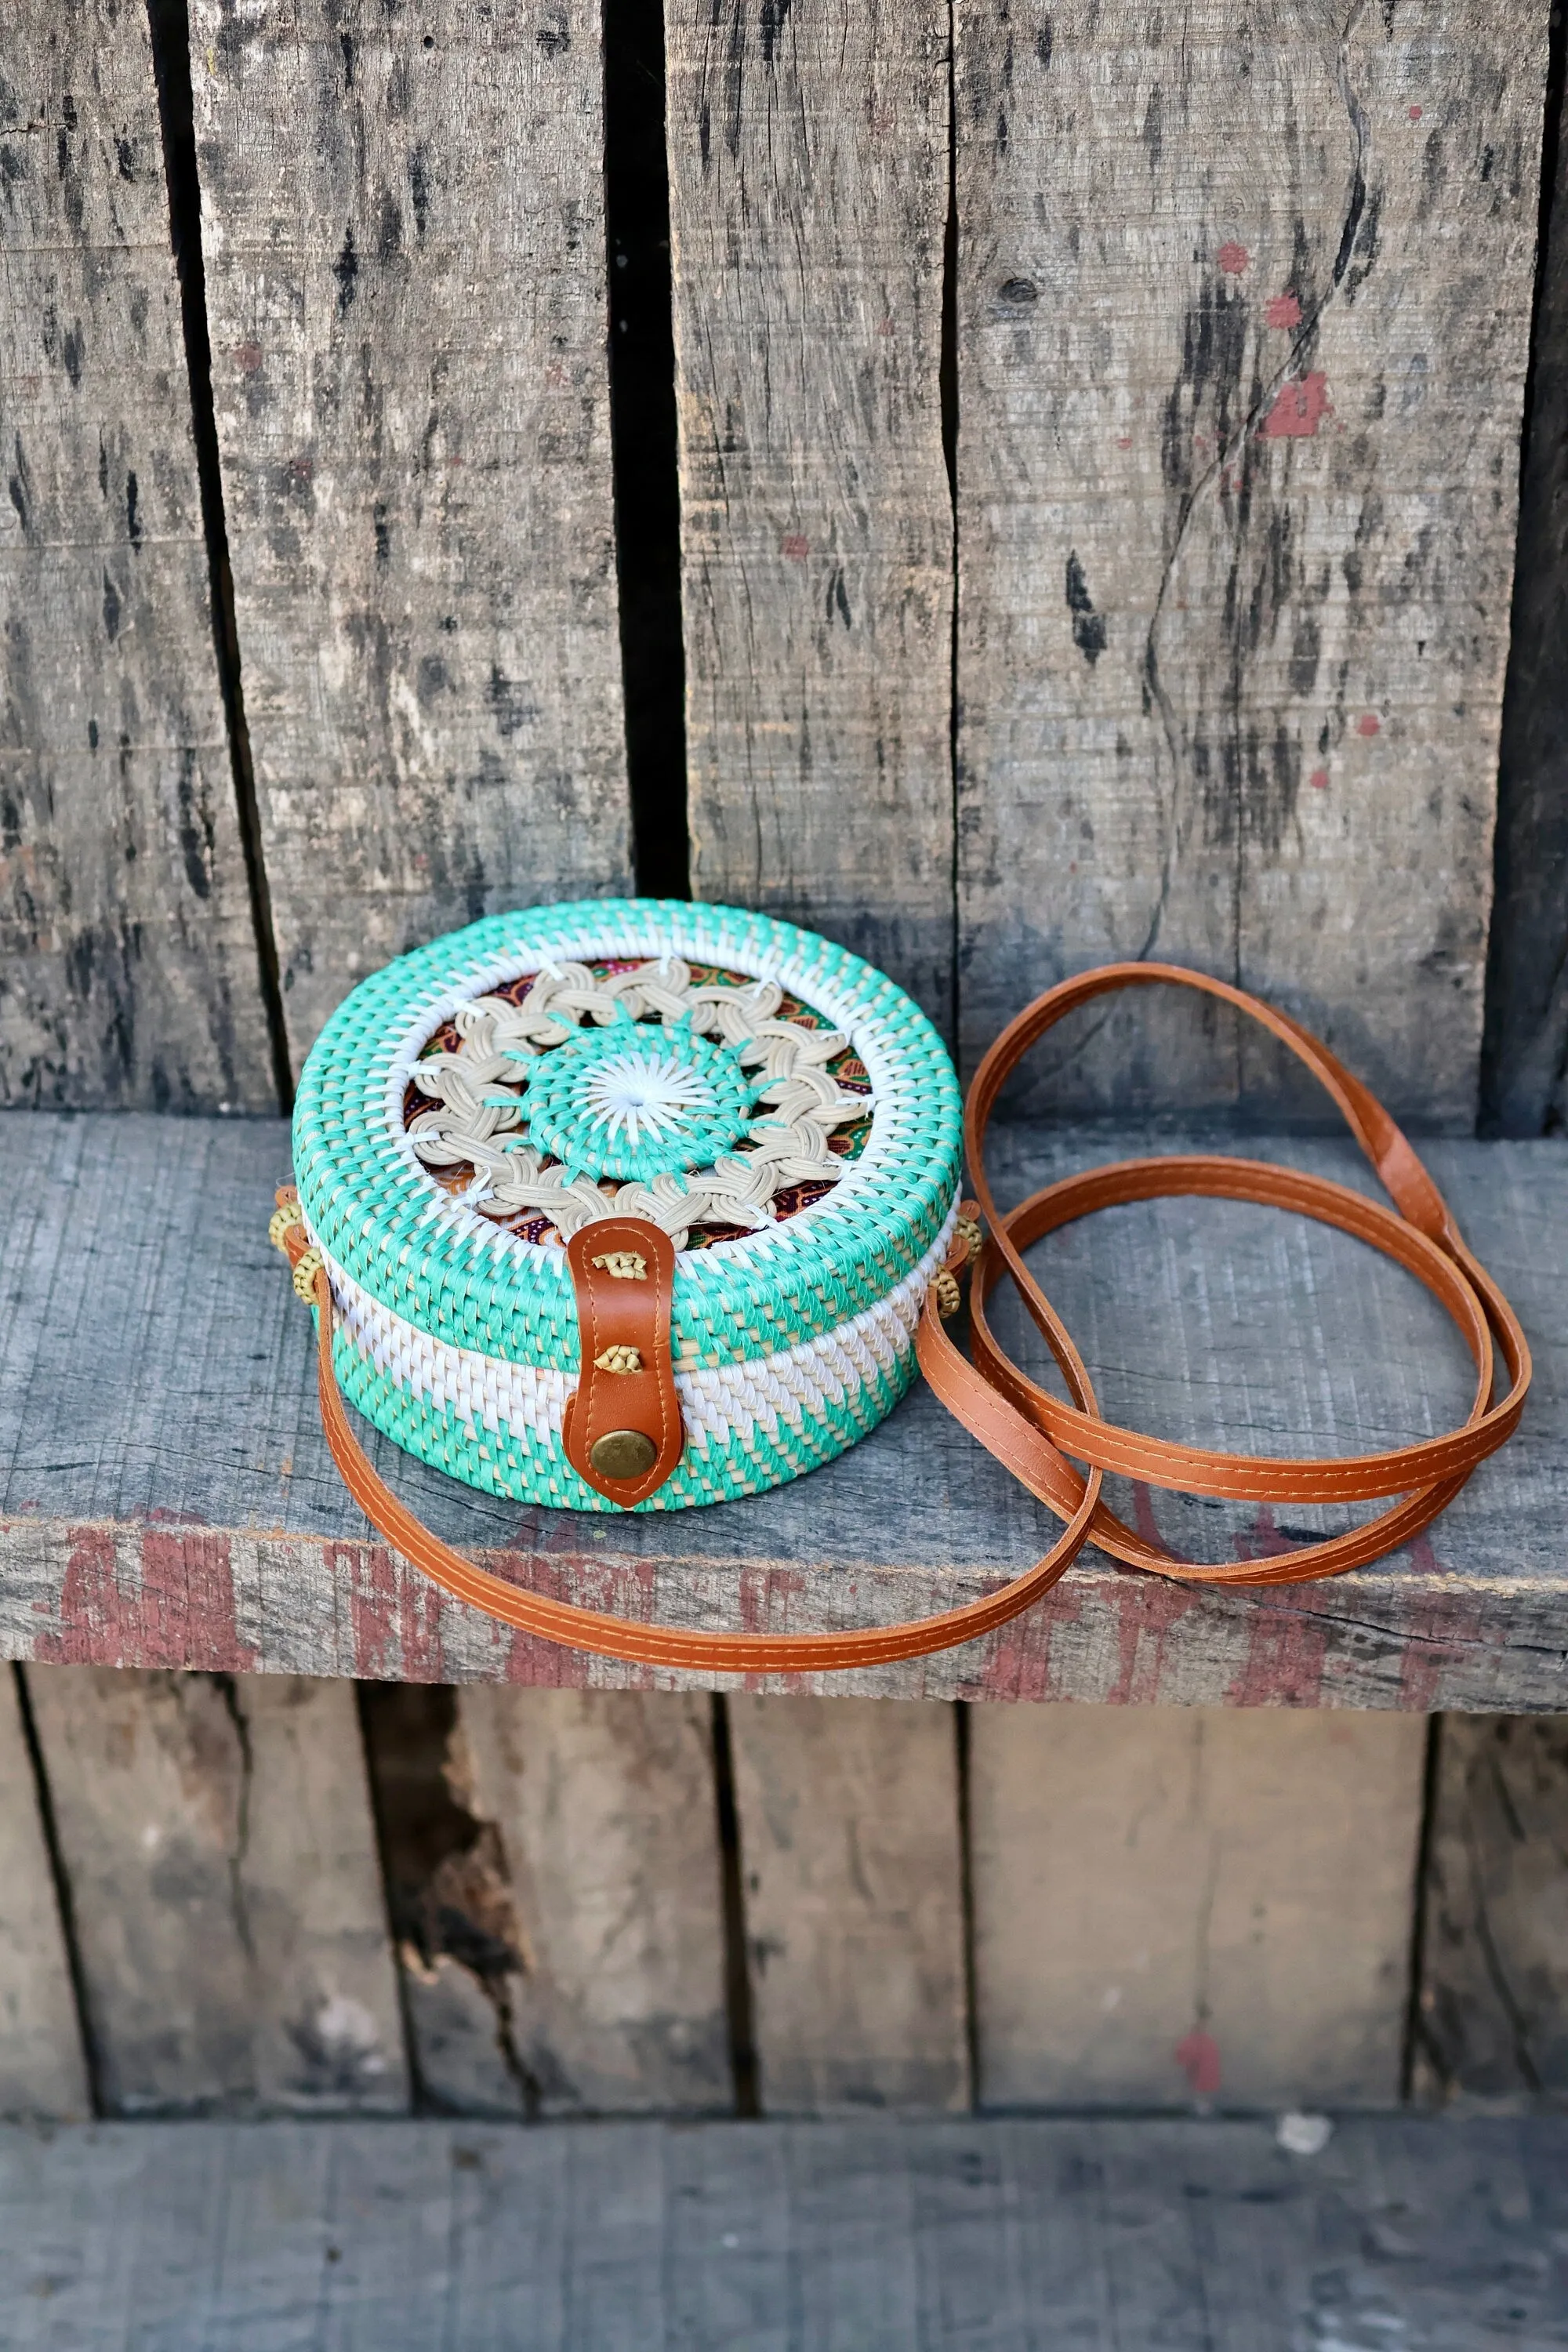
(646, 1079)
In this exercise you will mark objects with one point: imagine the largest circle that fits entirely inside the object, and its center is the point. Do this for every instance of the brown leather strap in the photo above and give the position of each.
(994, 1398)
(623, 1637)
(625, 1405)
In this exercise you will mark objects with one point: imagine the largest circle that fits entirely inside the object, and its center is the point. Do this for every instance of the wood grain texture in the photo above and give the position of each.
(404, 228)
(215, 1835)
(1493, 2013)
(558, 1901)
(1524, 1089)
(1181, 1905)
(166, 1499)
(849, 1858)
(869, 2236)
(808, 150)
(128, 962)
(43, 2071)
(1243, 311)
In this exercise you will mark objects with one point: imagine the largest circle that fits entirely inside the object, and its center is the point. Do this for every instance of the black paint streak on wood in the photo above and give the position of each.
(63, 1897)
(169, 26)
(1524, 1052)
(737, 1968)
(643, 442)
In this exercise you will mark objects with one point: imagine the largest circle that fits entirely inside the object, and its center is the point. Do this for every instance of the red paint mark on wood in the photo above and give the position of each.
(1262, 1540)
(794, 546)
(371, 1577)
(1415, 112)
(1124, 440)
(247, 357)
(1233, 258)
(1300, 407)
(1369, 724)
(1285, 1654)
(183, 1614)
(1283, 311)
(1197, 2055)
(419, 1626)
(94, 1615)
(1440, 1632)
(187, 1615)
(1147, 1607)
(1018, 1662)
(1319, 780)
(1424, 1558)
(544, 1664)
(1144, 1517)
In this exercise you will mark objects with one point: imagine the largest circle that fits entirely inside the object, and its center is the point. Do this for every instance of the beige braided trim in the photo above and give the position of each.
(799, 1108)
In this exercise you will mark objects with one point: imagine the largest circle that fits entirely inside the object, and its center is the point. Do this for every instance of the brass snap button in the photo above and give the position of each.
(623, 1453)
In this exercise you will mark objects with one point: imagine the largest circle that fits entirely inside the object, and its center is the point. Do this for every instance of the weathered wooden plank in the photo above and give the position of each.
(165, 1498)
(215, 1833)
(854, 1907)
(43, 2070)
(808, 153)
(872, 2236)
(554, 1878)
(1525, 1058)
(1243, 309)
(1181, 1904)
(328, 2034)
(1492, 2020)
(128, 960)
(403, 223)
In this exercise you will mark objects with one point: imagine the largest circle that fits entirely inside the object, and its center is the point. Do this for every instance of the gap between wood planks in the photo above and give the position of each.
(169, 27)
(644, 456)
(1524, 1043)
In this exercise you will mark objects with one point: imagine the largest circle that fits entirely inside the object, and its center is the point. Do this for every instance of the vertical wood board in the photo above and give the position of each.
(554, 1869)
(854, 1907)
(604, 1805)
(1524, 1083)
(128, 962)
(403, 227)
(215, 1834)
(1175, 1905)
(808, 154)
(43, 2071)
(1493, 2000)
(327, 2031)
(1243, 310)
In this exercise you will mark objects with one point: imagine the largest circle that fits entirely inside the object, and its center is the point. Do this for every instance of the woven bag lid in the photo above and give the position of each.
(776, 1105)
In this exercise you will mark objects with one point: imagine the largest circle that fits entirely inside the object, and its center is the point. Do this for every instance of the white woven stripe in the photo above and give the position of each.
(717, 1403)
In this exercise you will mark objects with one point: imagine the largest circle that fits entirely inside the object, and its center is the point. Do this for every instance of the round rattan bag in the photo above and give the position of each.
(627, 1204)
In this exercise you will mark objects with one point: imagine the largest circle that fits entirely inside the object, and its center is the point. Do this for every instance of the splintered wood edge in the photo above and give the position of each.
(185, 1596)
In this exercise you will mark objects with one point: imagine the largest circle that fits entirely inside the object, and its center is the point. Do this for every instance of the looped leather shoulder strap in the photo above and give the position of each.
(994, 1395)
(1038, 1436)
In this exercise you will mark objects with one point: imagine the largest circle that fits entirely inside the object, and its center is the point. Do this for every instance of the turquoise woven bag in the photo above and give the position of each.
(777, 1118)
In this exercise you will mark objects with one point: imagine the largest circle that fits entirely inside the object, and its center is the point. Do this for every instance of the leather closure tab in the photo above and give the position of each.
(622, 1430)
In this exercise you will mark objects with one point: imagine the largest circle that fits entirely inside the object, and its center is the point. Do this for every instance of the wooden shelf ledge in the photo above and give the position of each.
(167, 1499)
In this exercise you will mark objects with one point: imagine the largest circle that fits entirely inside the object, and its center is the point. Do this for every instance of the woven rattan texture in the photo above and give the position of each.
(458, 1337)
